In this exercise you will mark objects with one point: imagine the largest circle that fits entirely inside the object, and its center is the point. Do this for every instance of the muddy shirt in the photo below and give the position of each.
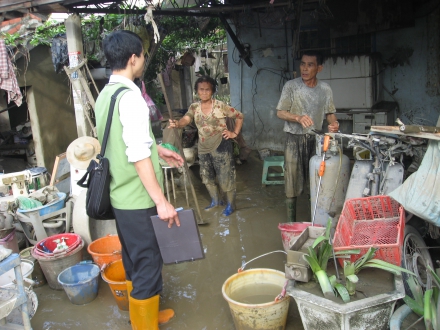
(299, 99)
(212, 125)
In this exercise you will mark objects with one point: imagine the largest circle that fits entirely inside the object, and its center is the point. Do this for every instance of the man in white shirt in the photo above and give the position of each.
(136, 187)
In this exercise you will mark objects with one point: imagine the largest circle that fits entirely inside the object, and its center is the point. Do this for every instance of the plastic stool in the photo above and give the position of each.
(20, 299)
(269, 162)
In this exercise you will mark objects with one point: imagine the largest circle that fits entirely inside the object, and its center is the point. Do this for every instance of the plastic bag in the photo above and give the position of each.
(420, 193)
(25, 203)
(60, 56)
(155, 113)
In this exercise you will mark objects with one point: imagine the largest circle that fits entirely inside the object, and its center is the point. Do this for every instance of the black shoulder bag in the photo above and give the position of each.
(98, 204)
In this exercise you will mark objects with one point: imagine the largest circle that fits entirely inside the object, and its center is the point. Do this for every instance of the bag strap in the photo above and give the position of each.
(109, 121)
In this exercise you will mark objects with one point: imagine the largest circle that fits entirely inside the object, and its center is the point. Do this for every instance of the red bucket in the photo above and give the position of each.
(71, 240)
(291, 230)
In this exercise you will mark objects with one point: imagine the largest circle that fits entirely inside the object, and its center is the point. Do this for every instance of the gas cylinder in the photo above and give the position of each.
(333, 185)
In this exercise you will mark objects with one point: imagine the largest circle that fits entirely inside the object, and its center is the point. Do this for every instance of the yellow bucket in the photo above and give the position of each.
(251, 297)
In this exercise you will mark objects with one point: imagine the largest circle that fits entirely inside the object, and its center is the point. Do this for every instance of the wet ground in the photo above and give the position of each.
(193, 289)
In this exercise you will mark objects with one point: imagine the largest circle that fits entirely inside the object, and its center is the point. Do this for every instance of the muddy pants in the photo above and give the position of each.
(219, 164)
(140, 252)
(299, 148)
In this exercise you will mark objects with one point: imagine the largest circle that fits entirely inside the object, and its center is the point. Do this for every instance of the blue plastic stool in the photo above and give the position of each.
(270, 162)
(20, 300)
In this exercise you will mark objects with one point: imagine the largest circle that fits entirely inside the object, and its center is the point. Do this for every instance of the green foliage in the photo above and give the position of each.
(10, 39)
(425, 304)
(205, 71)
(183, 34)
(224, 98)
(43, 34)
(351, 269)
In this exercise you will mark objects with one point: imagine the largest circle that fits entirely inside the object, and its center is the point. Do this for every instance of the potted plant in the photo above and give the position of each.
(424, 304)
(370, 308)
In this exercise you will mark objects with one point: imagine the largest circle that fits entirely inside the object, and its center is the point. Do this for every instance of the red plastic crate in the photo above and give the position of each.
(377, 221)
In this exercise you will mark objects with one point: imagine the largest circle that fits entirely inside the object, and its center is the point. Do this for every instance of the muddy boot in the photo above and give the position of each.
(291, 209)
(144, 314)
(230, 206)
(215, 200)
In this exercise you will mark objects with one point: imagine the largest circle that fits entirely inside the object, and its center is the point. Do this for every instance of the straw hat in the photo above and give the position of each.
(81, 151)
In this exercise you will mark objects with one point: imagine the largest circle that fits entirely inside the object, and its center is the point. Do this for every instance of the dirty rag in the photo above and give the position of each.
(45, 195)
(8, 80)
(4, 252)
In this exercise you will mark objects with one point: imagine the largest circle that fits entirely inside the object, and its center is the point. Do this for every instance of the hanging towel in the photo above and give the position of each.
(8, 80)
(197, 63)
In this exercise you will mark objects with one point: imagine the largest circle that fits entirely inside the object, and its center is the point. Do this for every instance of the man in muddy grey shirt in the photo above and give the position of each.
(303, 103)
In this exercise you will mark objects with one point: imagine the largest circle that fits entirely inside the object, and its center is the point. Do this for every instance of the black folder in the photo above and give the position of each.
(179, 244)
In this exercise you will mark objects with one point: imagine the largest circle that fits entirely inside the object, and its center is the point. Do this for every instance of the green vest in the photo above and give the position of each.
(127, 191)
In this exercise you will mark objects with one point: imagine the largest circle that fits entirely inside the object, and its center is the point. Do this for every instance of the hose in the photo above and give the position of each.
(398, 316)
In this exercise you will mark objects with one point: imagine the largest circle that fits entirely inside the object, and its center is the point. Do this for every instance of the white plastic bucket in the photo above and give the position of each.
(8, 278)
(263, 316)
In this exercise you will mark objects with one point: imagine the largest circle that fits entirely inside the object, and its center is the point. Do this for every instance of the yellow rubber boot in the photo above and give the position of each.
(144, 314)
(164, 315)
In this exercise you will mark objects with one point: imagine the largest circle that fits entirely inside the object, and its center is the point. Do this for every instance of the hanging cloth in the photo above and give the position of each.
(8, 80)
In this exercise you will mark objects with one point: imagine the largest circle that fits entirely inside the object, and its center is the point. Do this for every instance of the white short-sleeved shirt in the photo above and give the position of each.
(135, 119)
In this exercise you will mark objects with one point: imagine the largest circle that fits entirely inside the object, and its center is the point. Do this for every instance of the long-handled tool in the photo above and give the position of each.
(179, 145)
(321, 173)
(334, 256)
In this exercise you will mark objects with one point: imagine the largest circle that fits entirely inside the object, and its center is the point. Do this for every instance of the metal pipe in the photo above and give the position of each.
(241, 50)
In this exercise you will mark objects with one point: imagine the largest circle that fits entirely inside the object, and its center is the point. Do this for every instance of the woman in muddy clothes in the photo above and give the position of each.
(215, 150)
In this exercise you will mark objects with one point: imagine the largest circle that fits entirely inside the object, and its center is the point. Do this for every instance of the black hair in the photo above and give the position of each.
(318, 55)
(119, 46)
(208, 80)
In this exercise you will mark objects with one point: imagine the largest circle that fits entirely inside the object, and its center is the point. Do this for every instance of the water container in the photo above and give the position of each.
(270, 314)
(80, 282)
(37, 273)
(333, 185)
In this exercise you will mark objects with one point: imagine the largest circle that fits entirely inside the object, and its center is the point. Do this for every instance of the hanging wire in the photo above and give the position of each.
(283, 78)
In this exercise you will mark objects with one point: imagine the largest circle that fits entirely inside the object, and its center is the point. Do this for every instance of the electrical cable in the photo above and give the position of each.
(255, 92)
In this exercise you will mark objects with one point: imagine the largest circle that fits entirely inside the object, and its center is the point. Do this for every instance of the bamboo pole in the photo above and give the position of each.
(179, 145)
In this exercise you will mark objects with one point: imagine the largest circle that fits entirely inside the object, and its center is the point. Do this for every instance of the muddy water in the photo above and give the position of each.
(193, 289)
(259, 293)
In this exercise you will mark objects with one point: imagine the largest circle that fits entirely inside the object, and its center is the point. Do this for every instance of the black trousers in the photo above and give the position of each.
(140, 252)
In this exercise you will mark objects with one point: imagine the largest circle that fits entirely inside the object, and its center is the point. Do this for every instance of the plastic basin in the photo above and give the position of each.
(48, 208)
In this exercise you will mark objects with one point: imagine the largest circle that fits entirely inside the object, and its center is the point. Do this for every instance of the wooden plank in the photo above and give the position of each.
(395, 130)
(61, 174)
(55, 168)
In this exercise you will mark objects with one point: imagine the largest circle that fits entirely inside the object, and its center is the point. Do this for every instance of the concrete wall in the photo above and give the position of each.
(255, 91)
(51, 112)
(417, 82)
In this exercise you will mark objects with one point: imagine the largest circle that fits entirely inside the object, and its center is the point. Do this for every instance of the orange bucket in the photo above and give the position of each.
(114, 275)
(105, 250)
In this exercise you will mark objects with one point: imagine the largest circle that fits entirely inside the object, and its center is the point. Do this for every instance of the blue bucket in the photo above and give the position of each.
(80, 282)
